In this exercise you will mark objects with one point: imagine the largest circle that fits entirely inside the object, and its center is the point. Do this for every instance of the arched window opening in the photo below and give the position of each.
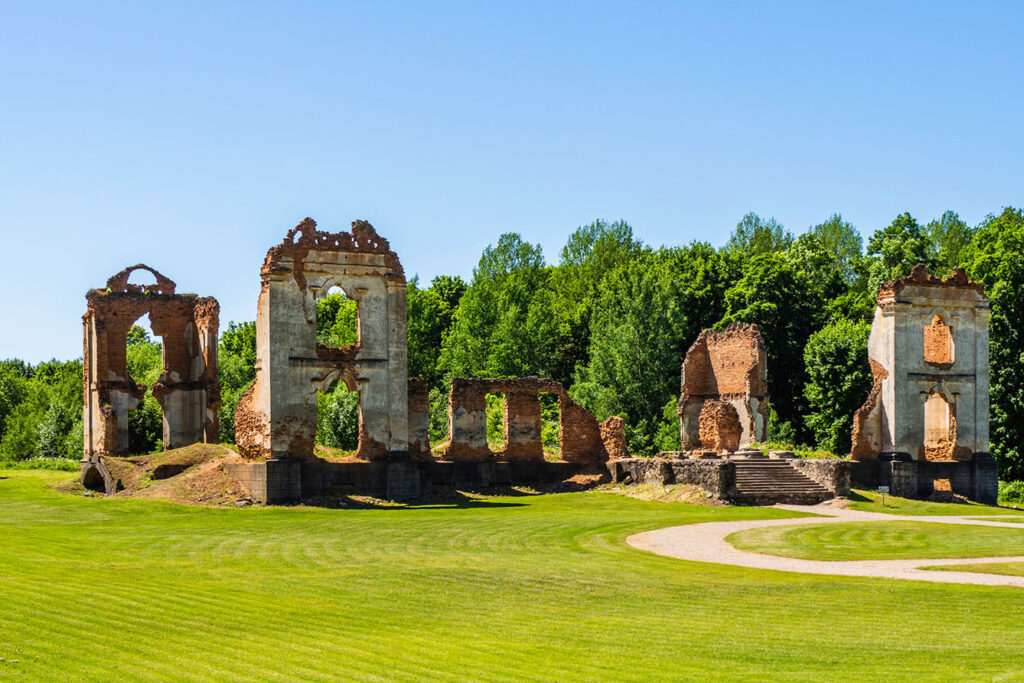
(938, 343)
(145, 364)
(142, 278)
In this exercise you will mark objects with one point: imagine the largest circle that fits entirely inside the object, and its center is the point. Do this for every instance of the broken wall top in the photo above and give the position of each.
(729, 362)
(919, 285)
(304, 245)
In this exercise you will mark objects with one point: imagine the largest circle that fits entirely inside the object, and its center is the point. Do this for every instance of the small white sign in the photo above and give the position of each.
(883, 489)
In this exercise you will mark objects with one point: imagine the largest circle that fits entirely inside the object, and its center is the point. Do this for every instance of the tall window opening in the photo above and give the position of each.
(496, 422)
(145, 363)
(337, 326)
(550, 426)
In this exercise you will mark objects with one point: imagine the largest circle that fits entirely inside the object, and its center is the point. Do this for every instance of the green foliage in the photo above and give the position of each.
(1011, 493)
(549, 423)
(429, 317)
(947, 238)
(779, 431)
(145, 365)
(145, 427)
(839, 379)
(338, 418)
(495, 419)
(895, 250)
(236, 369)
(337, 320)
(41, 410)
(649, 312)
(450, 288)
(842, 242)
(438, 411)
(591, 252)
(995, 257)
(667, 436)
(755, 236)
(503, 326)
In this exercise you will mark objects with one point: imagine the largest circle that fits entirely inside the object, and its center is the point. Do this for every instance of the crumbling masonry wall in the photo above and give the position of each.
(724, 367)
(583, 439)
(928, 351)
(188, 390)
(277, 417)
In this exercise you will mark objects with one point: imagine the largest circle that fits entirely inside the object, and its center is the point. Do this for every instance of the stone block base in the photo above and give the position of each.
(716, 478)
(976, 479)
(398, 477)
(269, 481)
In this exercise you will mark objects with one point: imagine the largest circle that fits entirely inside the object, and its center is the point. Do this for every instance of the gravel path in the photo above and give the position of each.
(706, 543)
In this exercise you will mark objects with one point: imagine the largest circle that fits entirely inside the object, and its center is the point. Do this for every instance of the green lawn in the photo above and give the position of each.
(881, 541)
(1006, 568)
(871, 501)
(1004, 518)
(524, 587)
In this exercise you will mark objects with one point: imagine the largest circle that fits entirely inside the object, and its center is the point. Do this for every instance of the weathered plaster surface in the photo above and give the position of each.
(277, 417)
(929, 356)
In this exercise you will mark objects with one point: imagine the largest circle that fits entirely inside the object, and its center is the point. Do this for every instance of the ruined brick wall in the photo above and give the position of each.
(580, 434)
(188, 389)
(419, 417)
(613, 436)
(725, 366)
(938, 344)
(929, 339)
(719, 426)
(278, 418)
(866, 440)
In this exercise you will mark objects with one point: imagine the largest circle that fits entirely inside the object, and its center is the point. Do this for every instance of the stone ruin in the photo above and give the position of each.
(723, 402)
(923, 428)
(926, 417)
(276, 418)
(583, 440)
(188, 390)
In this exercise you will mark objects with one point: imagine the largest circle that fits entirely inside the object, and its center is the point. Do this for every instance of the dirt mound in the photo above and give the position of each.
(672, 493)
(193, 475)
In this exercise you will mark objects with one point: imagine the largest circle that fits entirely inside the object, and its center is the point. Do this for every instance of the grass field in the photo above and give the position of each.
(519, 587)
(1005, 568)
(881, 541)
(871, 501)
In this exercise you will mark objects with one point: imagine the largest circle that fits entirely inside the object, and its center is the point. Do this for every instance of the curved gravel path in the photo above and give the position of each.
(706, 542)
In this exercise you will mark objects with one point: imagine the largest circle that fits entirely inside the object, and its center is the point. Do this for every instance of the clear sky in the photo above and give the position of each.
(192, 136)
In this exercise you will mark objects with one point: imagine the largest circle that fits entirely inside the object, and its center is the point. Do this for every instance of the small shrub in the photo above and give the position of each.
(1011, 492)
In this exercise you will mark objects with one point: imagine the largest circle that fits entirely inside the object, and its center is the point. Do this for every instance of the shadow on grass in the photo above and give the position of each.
(857, 498)
(456, 500)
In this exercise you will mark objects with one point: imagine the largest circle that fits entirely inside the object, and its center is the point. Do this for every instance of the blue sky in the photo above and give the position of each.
(192, 136)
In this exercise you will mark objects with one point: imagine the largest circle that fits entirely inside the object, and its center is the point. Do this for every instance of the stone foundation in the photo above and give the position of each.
(833, 475)
(716, 478)
(398, 477)
(976, 479)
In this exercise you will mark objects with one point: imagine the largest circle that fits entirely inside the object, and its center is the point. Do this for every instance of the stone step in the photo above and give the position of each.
(766, 482)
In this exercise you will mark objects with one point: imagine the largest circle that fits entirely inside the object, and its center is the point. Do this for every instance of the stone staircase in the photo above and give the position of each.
(760, 481)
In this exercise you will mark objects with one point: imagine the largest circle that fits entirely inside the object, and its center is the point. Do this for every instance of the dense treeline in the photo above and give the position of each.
(613, 320)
